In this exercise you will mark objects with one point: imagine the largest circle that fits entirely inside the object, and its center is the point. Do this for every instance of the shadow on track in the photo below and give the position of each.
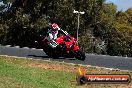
(38, 56)
(47, 57)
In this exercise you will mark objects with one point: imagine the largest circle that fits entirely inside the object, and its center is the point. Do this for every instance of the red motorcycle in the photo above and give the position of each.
(67, 47)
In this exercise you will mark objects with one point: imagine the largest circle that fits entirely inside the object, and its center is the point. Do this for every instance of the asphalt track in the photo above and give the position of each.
(123, 63)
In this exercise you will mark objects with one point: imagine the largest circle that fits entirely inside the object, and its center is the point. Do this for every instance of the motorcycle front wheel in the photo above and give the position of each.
(80, 55)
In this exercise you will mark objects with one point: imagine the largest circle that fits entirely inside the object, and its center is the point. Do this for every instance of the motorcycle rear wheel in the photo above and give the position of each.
(48, 51)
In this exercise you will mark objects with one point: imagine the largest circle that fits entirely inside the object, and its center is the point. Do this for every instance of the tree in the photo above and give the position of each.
(129, 12)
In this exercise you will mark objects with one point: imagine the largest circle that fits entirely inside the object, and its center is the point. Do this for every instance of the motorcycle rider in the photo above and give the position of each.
(52, 35)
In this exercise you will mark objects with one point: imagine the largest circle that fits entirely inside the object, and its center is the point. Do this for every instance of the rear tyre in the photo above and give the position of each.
(80, 55)
(51, 53)
(48, 52)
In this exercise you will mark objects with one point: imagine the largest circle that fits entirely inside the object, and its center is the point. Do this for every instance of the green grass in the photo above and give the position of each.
(15, 75)
(27, 73)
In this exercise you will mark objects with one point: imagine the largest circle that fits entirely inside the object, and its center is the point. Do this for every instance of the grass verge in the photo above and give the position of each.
(28, 73)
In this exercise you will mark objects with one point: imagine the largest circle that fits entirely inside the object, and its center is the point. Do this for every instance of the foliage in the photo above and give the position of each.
(121, 35)
(129, 12)
(103, 30)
